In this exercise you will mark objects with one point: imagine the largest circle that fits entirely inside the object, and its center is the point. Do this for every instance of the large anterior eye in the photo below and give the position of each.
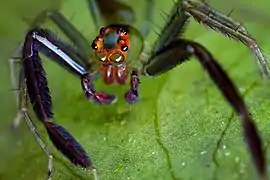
(117, 58)
(101, 56)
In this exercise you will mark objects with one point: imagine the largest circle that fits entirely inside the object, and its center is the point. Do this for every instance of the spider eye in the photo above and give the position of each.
(101, 56)
(117, 57)
(94, 45)
(102, 30)
(124, 47)
(122, 30)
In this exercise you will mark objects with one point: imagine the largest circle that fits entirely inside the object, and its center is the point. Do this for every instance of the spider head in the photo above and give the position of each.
(112, 44)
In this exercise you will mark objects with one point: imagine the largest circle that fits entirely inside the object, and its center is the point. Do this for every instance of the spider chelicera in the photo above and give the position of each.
(109, 56)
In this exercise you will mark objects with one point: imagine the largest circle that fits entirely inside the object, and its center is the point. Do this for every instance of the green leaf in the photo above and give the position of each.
(172, 133)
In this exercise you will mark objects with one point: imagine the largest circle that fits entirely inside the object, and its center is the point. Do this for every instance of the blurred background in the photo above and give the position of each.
(172, 133)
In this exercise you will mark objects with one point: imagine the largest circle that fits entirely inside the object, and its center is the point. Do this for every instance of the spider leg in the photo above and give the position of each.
(82, 48)
(174, 27)
(132, 95)
(110, 12)
(148, 16)
(81, 45)
(30, 124)
(179, 52)
(66, 57)
(115, 12)
(39, 94)
(13, 62)
(94, 9)
(203, 13)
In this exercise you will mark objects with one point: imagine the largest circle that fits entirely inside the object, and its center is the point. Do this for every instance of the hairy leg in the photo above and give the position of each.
(178, 52)
(23, 110)
(206, 15)
(36, 86)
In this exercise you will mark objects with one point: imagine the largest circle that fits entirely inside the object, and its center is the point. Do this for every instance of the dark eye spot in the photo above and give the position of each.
(122, 30)
(102, 30)
(124, 47)
(94, 45)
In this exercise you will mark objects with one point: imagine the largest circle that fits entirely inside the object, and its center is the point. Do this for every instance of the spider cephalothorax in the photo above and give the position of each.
(109, 50)
(111, 47)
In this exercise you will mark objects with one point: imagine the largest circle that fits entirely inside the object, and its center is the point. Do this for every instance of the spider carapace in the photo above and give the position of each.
(111, 47)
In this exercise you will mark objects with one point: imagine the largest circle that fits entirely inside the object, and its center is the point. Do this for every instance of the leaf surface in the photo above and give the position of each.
(174, 132)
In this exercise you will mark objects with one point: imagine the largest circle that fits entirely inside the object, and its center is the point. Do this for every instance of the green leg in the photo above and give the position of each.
(93, 7)
(148, 17)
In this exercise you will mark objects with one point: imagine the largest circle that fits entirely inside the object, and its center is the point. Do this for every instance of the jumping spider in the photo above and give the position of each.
(110, 53)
